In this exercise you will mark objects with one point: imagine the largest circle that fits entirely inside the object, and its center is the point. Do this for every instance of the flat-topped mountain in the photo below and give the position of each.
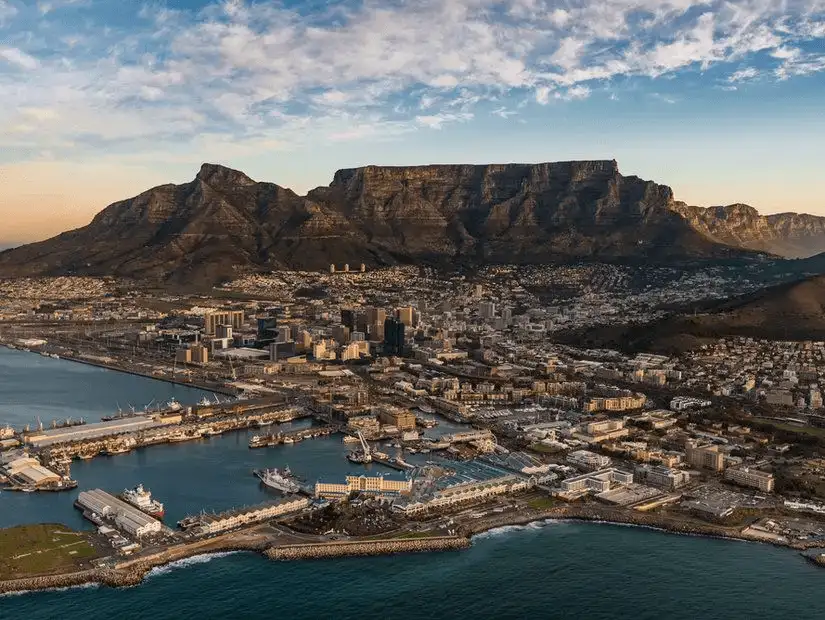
(223, 222)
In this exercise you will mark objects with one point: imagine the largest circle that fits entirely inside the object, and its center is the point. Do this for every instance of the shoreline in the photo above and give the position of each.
(72, 358)
(133, 572)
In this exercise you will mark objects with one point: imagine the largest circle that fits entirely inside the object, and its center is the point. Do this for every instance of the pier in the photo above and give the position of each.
(367, 547)
(152, 432)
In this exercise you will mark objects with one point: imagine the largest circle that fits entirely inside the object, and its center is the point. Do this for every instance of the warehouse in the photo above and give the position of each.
(91, 431)
(126, 518)
(28, 470)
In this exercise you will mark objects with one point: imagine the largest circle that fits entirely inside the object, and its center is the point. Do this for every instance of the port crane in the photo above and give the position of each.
(365, 456)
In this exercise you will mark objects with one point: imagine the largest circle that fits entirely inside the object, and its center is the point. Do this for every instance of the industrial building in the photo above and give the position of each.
(754, 478)
(212, 524)
(385, 484)
(126, 518)
(92, 431)
(28, 471)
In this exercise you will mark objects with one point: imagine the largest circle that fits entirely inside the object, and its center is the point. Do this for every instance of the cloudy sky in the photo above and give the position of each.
(102, 99)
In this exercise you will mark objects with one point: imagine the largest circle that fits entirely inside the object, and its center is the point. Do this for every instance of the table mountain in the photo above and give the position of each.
(223, 222)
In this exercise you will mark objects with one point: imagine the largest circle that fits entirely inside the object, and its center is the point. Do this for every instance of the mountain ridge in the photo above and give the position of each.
(223, 222)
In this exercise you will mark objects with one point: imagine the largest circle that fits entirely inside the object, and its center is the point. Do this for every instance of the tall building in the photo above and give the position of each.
(706, 457)
(351, 352)
(348, 318)
(405, 315)
(267, 329)
(213, 318)
(183, 355)
(487, 310)
(375, 315)
(200, 354)
(341, 334)
(393, 336)
(224, 331)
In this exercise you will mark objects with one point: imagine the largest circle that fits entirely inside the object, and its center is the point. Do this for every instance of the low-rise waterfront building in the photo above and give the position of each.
(213, 524)
(384, 484)
(598, 481)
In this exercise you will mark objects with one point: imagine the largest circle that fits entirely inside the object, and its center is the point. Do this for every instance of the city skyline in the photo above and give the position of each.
(720, 100)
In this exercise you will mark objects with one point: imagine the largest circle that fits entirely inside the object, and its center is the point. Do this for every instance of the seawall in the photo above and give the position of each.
(366, 548)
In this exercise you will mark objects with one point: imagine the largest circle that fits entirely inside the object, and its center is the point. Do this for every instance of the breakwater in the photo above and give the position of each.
(367, 547)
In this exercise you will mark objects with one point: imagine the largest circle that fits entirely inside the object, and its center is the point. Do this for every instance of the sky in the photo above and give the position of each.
(103, 99)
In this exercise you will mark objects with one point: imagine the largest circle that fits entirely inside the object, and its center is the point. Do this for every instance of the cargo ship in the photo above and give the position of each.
(141, 499)
(279, 480)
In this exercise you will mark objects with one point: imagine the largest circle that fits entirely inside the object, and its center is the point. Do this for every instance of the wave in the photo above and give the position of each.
(185, 562)
(506, 529)
(81, 586)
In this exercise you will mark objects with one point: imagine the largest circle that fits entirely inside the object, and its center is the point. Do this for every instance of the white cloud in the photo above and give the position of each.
(18, 58)
(257, 71)
(437, 121)
(743, 75)
(543, 95)
(573, 93)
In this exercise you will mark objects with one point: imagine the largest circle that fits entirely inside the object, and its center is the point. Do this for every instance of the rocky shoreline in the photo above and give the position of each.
(367, 548)
(133, 572)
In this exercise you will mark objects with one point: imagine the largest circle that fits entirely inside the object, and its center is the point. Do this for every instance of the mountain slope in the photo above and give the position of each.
(792, 235)
(789, 311)
(223, 222)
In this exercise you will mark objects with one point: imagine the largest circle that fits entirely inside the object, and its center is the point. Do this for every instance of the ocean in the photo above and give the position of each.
(561, 570)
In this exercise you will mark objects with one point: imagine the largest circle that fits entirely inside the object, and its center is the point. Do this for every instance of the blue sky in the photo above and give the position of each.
(103, 98)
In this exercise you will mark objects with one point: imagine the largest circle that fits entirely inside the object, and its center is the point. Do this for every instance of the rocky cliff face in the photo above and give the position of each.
(791, 235)
(223, 222)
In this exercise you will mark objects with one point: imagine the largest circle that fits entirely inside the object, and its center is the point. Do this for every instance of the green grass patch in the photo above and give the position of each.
(542, 503)
(42, 549)
(813, 431)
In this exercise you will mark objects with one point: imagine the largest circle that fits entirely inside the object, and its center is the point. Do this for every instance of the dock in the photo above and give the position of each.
(393, 463)
(289, 437)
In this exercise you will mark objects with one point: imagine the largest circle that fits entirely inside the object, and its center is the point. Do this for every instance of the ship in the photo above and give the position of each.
(359, 457)
(141, 499)
(279, 480)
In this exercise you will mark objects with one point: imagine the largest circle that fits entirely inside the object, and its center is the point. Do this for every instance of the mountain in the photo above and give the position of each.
(223, 222)
(792, 235)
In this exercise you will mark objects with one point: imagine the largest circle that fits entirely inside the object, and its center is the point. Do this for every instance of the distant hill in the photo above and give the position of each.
(222, 223)
(790, 311)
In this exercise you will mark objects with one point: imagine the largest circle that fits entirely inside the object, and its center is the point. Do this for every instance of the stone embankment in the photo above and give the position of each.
(47, 582)
(367, 547)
